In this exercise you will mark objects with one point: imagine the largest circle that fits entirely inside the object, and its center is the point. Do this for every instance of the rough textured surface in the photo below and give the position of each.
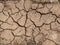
(29, 22)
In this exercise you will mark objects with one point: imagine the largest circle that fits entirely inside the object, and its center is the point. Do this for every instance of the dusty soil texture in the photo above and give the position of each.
(29, 22)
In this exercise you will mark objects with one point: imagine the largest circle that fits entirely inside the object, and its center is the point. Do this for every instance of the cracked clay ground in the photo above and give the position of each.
(29, 22)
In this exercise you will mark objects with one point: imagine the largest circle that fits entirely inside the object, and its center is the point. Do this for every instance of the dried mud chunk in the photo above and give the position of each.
(23, 12)
(45, 29)
(19, 31)
(7, 26)
(20, 4)
(17, 16)
(3, 17)
(35, 17)
(56, 9)
(40, 6)
(22, 20)
(55, 36)
(23, 43)
(18, 40)
(7, 36)
(55, 26)
(36, 31)
(48, 18)
(7, 11)
(11, 6)
(10, 21)
(39, 38)
(49, 6)
(1, 7)
(34, 5)
(48, 42)
(29, 30)
(43, 10)
(28, 5)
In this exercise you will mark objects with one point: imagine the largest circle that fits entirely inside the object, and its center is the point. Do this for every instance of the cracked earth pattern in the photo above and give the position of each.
(28, 22)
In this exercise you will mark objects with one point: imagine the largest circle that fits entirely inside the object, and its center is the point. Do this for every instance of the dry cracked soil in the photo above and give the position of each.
(29, 22)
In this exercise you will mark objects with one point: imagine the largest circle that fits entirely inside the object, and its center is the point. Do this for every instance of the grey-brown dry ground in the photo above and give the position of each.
(28, 22)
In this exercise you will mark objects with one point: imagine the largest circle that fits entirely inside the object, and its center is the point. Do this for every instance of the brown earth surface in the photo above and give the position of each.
(29, 22)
